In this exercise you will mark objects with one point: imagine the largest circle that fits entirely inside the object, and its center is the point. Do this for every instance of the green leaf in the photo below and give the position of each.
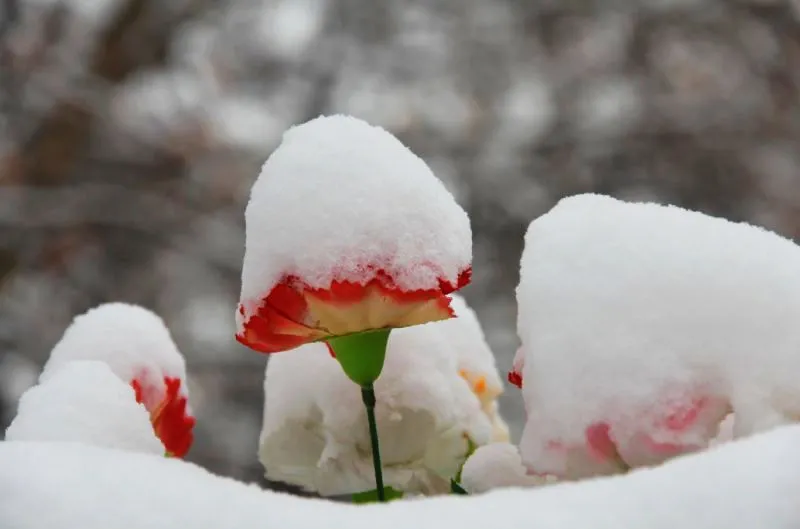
(371, 496)
(455, 488)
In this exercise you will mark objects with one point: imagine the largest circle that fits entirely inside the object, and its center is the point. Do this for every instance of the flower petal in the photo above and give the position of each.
(293, 314)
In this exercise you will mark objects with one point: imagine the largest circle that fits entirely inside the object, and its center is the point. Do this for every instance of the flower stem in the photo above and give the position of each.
(368, 396)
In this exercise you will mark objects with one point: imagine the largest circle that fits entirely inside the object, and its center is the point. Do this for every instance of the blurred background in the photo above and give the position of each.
(132, 130)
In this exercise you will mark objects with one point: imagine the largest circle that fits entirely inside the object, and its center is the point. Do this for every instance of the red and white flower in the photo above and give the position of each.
(136, 344)
(642, 326)
(347, 231)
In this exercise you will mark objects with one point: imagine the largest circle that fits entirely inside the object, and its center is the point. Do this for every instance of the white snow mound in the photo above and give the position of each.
(84, 402)
(132, 340)
(656, 322)
(739, 485)
(339, 199)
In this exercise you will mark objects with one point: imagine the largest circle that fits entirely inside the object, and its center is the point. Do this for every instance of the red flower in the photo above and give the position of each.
(293, 313)
(170, 418)
(515, 375)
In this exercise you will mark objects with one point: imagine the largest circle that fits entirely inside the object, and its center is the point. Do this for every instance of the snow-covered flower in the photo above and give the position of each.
(476, 361)
(494, 466)
(84, 402)
(643, 326)
(744, 484)
(136, 344)
(347, 231)
(315, 432)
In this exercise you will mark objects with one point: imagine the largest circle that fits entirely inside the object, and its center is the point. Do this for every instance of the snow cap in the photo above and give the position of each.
(340, 199)
(132, 340)
(136, 345)
(84, 402)
(642, 325)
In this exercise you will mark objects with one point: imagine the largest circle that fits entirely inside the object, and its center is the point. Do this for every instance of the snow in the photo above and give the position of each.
(496, 465)
(725, 432)
(466, 336)
(315, 431)
(84, 402)
(741, 485)
(476, 360)
(132, 340)
(631, 313)
(340, 198)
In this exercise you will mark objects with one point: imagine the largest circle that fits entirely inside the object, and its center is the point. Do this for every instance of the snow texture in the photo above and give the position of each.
(496, 465)
(635, 314)
(340, 198)
(476, 360)
(133, 341)
(740, 485)
(315, 430)
(466, 335)
(84, 402)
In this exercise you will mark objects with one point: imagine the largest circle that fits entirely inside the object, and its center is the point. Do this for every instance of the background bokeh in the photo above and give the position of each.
(132, 130)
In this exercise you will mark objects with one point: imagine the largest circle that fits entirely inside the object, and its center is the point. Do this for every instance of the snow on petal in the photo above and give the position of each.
(496, 465)
(136, 344)
(347, 230)
(315, 431)
(740, 485)
(476, 361)
(84, 402)
(644, 325)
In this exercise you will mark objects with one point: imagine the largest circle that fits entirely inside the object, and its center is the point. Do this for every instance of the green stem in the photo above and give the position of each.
(368, 396)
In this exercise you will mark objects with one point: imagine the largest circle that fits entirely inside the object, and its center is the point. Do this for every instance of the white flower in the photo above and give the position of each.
(476, 361)
(496, 465)
(315, 430)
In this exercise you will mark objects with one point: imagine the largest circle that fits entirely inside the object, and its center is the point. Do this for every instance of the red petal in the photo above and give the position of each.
(684, 417)
(137, 389)
(515, 378)
(598, 438)
(283, 321)
(171, 421)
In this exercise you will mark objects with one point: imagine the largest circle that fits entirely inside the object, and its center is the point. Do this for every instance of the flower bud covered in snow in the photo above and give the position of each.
(84, 402)
(136, 344)
(347, 231)
(315, 433)
(494, 466)
(644, 325)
